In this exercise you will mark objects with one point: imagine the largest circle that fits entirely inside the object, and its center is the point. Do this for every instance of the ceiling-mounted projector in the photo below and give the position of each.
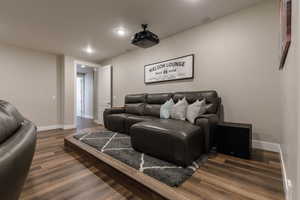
(145, 38)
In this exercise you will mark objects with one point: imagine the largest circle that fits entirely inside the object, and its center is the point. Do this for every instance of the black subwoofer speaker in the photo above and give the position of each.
(234, 139)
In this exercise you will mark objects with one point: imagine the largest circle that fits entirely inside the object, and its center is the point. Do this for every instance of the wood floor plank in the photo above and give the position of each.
(63, 174)
(239, 187)
(248, 178)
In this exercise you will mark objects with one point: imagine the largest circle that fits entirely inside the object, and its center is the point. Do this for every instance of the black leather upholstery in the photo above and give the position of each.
(135, 108)
(135, 98)
(110, 111)
(116, 122)
(135, 104)
(133, 119)
(16, 151)
(152, 110)
(154, 102)
(8, 126)
(208, 124)
(176, 141)
(11, 110)
(173, 140)
(159, 98)
(210, 96)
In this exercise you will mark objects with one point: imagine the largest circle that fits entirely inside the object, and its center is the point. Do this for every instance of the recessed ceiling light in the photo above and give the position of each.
(82, 66)
(89, 50)
(121, 31)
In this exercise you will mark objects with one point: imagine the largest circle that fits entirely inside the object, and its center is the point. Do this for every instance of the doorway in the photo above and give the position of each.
(84, 95)
(80, 95)
(93, 82)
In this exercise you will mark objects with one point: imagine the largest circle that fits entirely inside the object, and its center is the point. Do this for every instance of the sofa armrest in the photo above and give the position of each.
(109, 111)
(16, 154)
(208, 124)
(114, 110)
(212, 118)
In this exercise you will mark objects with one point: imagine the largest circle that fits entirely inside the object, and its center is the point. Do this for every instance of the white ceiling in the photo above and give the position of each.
(68, 26)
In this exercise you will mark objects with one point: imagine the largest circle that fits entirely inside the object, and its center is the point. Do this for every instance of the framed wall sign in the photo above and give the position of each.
(286, 29)
(169, 70)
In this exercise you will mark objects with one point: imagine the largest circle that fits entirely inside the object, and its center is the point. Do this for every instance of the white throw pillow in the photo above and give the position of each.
(165, 109)
(195, 109)
(178, 111)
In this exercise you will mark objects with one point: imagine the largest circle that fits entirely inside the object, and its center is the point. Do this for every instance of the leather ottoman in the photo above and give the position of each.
(175, 141)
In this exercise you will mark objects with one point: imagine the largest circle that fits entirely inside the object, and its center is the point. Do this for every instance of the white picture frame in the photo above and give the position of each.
(169, 70)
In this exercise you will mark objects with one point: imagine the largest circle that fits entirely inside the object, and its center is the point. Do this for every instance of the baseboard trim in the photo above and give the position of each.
(98, 122)
(53, 127)
(88, 117)
(284, 177)
(48, 128)
(69, 126)
(268, 146)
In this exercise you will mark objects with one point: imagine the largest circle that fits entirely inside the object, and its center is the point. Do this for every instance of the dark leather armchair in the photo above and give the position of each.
(17, 146)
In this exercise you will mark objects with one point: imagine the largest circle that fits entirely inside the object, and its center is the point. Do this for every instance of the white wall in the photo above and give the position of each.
(68, 92)
(236, 55)
(290, 139)
(31, 81)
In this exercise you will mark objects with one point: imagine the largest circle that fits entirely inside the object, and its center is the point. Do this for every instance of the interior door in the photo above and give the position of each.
(104, 90)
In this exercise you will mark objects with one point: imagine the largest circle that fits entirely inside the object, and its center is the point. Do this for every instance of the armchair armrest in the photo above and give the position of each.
(109, 111)
(208, 124)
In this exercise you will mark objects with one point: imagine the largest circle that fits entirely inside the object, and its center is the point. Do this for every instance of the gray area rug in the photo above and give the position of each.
(118, 146)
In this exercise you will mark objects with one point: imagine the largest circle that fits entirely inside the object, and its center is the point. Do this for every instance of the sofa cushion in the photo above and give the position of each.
(133, 119)
(210, 96)
(135, 98)
(152, 110)
(176, 141)
(159, 98)
(8, 126)
(178, 128)
(135, 108)
(154, 102)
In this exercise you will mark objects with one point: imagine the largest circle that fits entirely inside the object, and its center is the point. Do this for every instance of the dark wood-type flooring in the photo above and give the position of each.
(58, 173)
(83, 123)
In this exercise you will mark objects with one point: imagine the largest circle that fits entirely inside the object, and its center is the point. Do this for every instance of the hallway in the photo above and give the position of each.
(85, 123)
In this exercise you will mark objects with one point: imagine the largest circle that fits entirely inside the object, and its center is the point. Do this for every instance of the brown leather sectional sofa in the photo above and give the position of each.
(176, 141)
